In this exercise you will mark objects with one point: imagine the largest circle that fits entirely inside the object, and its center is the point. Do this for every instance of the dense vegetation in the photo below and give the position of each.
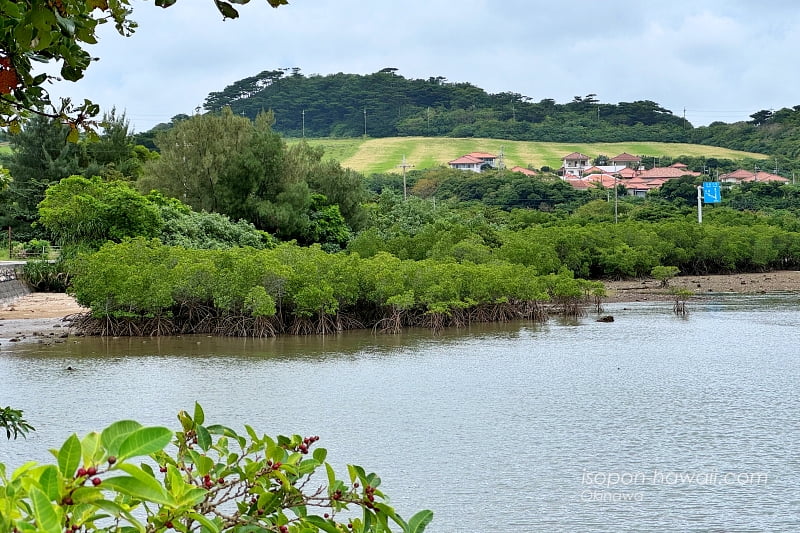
(212, 234)
(386, 104)
(202, 477)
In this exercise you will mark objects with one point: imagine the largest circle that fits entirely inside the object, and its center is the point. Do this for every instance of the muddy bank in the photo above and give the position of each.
(37, 317)
(750, 283)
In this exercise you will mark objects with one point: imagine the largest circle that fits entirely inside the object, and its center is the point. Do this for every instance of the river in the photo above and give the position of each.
(650, 423)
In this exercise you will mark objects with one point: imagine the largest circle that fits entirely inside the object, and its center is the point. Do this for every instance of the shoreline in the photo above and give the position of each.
(43, 317)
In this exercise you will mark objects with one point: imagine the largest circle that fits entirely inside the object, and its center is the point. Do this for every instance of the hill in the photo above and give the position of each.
(384, 155)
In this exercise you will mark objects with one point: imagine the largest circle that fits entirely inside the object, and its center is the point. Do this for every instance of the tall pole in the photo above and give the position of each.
(365, 122)
(699, 204)
(304, 123)
(616, 192)
(404, 166)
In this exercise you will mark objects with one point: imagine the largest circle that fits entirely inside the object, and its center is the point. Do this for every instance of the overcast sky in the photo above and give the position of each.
(719, 59)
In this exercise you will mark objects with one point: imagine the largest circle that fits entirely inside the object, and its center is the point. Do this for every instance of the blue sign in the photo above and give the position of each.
(711, 192)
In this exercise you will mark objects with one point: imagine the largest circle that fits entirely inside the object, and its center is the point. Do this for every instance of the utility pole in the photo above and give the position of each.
(365, 121)
(304, 123)
(404, 166)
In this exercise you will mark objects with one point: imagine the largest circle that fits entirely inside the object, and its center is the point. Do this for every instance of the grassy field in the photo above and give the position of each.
(384, 155)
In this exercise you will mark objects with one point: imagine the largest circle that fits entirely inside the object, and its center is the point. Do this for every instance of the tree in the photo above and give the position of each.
(60, 31)
(201, 478)
(40, 157)
(91, 211)
(11, 420)
(195, 155)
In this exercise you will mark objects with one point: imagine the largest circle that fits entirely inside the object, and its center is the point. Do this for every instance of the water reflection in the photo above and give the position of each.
(495, 423)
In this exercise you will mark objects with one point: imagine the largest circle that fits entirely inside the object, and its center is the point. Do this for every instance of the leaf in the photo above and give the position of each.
(203, 438)
(113, 435)
(139, 488)
(320, 454)
(144, 441)
(48, 517)
(48, 480)
(117, 510)
(325, 525)
(92, 449)
(199, 415)
(212, 527)
(418, 522)
(69, 456)
(226, 9)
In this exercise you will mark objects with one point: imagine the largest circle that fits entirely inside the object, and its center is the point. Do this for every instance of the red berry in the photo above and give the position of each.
(81, 472)
(91, 471)
(112, 460)
(96, 481)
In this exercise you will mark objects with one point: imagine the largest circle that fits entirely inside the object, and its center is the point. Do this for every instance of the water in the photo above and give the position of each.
(650, 423)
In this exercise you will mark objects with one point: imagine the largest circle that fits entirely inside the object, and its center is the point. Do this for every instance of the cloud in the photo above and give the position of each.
(719, 59)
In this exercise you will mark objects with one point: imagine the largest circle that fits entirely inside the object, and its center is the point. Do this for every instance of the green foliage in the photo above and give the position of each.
(664, 274)
(93, 211)
(43, 275)
(61, 32)
(221, 162)
(397, 106)
(14, 424)
(210, 478)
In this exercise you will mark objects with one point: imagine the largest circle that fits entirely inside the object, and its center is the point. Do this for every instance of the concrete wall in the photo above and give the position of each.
(11, 287)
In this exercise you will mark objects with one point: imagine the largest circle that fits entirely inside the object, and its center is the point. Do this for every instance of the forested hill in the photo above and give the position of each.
(386, 104)
(337, 105)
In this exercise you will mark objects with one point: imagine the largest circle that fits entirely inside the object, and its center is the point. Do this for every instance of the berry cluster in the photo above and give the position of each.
(8, 76)
(58, 7)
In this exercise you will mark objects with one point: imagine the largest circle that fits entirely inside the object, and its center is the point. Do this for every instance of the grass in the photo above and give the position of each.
(386, 154)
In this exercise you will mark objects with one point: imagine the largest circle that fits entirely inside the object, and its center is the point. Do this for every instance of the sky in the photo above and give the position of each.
(714, 60)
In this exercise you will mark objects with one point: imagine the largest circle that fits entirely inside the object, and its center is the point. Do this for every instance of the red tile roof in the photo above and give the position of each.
(526, 171)
(482, 155)
(574, 156)
(666, 173)
(627, 172)
(678, 165)
(466, 160)
(624, 157)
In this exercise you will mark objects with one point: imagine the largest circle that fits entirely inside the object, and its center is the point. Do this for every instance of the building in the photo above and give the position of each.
(474, 161)
(744, 176)
(574, 164)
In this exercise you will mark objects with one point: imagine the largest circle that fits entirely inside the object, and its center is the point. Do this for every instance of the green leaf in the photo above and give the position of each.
(199, 415)
(203, 438)
(92, 449)
(212, 527)
(48, 516)
(139, 488)
(191, 497)
(226, 9)
(116, 510)
(326, 525)
(114, 434)
(69, 456)
(49, 482)
(418, 522)
(144, 441)
(320, 454)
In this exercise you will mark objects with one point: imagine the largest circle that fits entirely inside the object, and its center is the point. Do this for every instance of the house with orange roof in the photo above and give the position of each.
(523, 170)
(744, 176)
(626, 160)
(474, 161)
(574, 163)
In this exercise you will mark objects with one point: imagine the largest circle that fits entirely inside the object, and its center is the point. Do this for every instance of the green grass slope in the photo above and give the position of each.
(385, 155)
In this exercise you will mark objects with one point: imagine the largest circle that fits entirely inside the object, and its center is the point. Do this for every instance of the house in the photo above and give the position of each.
(626, 160)
(474, 161)
(523, 170)
(742, 176)
(574, 163)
